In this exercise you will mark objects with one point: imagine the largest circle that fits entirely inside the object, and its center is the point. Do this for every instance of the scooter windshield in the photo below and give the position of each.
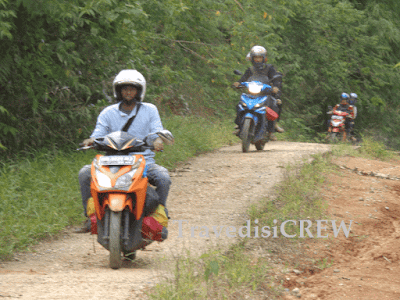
(262, 78)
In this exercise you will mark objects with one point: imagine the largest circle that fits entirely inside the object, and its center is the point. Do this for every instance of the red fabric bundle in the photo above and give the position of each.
(151, 229)
(271, 115)
(93, 220)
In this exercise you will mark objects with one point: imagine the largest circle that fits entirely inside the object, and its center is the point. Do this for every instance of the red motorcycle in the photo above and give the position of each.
(337, 125)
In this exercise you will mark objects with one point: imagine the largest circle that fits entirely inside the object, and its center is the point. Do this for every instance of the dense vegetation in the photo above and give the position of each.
(58, 59)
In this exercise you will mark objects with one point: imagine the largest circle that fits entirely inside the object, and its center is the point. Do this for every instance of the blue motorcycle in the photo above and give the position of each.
(254, 114)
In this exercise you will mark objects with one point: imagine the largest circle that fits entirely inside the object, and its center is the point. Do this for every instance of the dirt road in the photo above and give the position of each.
(366, 265)
(214, 189)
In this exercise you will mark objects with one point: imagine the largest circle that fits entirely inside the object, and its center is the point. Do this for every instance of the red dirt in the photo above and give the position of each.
(366, 264)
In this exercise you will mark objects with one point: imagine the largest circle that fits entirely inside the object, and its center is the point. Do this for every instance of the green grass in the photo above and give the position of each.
(216, 275)
(370, 149)
(40, 196)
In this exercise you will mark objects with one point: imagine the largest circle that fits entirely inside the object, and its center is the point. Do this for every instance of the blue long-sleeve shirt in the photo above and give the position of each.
(147, 123)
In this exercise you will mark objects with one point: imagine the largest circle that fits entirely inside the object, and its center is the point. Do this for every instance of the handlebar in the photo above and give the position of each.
(94, 147)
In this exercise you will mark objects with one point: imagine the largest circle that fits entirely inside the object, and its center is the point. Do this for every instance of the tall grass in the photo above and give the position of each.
(370, 149)
(40, 194)
(39, 197)
(217, 274)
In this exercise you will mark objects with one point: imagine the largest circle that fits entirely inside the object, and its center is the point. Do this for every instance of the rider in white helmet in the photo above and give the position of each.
(265, 73)
(129, 90)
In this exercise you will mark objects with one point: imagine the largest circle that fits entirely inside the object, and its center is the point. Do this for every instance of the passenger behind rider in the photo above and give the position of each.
(129, 90)
(352, 101)
(263, 72)
(345, 107)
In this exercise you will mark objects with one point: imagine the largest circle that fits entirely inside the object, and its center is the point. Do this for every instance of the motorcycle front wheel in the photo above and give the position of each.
(260, 145)
(334, 137)
(246, 136)
(115, 239)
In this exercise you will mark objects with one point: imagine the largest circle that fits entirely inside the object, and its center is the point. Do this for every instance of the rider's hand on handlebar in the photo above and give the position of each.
(87, 142)
(236, 84)
(158, 144)
(275, 90)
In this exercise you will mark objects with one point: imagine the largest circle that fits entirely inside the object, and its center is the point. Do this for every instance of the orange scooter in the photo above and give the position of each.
(122, 199)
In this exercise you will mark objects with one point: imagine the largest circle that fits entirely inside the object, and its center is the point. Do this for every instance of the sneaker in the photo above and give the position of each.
(85, 227)
(279, 129)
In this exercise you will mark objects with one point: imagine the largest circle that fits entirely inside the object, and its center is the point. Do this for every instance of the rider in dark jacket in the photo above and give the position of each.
(265, 73)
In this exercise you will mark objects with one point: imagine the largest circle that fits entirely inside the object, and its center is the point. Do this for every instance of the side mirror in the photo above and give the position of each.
(166, 137)
(277, 76)
(237, 72)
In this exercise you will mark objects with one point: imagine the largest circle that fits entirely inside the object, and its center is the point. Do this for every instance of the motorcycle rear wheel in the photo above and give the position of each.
(246, 137)
(115, 239)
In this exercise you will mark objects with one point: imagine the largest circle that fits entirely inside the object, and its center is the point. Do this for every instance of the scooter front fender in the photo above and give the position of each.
(251, 116)
(118, 201)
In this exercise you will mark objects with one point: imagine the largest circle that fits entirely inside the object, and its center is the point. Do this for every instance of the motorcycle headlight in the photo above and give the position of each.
(254, 88)
(103, 179)
(125, 180)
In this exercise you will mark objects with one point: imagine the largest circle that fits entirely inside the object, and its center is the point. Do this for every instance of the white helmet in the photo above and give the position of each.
(258, 51)
(129, 77)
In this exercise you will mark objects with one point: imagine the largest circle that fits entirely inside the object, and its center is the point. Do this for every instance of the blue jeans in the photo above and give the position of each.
(157, 175)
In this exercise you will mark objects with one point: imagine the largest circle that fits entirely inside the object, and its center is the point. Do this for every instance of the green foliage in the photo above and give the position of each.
(59, 57)
(4, 128)
(374, 149)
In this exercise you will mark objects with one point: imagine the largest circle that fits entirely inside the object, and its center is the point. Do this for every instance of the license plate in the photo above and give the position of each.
(117, 160)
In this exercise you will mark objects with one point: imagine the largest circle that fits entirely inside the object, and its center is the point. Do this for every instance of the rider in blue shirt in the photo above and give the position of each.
(129, 90)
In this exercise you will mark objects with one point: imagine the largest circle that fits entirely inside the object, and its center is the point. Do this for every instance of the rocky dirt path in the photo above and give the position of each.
(214, 189)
